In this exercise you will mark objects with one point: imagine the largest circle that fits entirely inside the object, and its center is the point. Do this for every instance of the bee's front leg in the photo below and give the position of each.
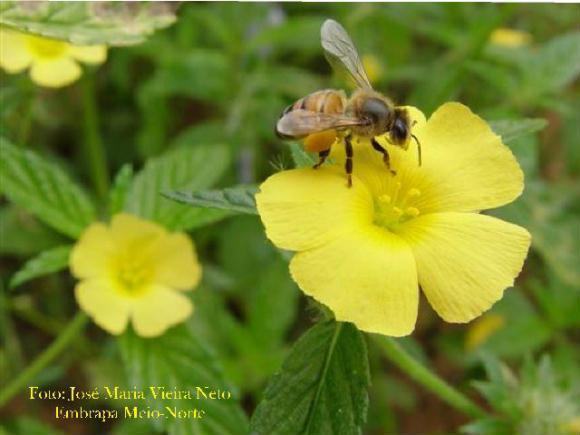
(386, 158)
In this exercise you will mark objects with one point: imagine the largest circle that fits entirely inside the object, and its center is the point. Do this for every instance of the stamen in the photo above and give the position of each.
(412, 211)
(385, 199)
(397, 212)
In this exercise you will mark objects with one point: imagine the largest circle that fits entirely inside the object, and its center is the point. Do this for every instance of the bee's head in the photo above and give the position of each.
(400, 131)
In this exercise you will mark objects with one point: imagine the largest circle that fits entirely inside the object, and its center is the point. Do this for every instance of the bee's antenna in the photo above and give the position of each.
(418, 147)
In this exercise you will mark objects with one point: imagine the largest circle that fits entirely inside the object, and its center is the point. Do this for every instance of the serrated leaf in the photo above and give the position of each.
(239, 199)
(85, 23)
(322, 387)
(119, 189)
(512, 129)
(195, 167)
(45, 263)
(178, 360)
(44, 189)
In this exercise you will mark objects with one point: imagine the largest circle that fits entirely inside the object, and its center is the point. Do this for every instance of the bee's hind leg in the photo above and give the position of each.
(322, 155)
(386, 158)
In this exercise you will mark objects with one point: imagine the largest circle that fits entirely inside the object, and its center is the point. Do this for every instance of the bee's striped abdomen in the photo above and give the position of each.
(329, 101)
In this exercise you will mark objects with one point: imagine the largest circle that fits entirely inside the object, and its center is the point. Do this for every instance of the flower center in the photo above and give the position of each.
(45, 48)
(392, 210)
(133, 276)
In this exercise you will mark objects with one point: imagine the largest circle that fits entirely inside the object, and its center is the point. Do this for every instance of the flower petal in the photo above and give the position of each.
(466, 167)
(158, 310)
(14, 57)
(128, 229)
(465, 261)
(93, 54)
(176, 265)
(106, 307)
(304, 208)
(91, 254)
(55, 73)
(367, 277)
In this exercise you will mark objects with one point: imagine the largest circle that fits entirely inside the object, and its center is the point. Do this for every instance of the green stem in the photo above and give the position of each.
(95, 152)
(45, 358)
(398, 356)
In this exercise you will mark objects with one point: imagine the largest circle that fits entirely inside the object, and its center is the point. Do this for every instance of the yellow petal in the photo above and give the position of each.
(107, 308)
(176, 265)
(465, 261)
(93, 54)
(159, 309)
(367, 277)
(466, 167)
(13, 54)
(482, 329)
(511, 38)
(55, 73)
(91, 254)
(304, 208)
(128, 229)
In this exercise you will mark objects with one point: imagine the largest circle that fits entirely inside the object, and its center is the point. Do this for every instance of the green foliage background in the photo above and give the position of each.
(184, 111)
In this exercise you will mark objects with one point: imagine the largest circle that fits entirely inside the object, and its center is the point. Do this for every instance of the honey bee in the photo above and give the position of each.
(319, 118)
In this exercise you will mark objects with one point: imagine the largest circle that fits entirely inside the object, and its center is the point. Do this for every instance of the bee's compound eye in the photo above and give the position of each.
(399, 132)
(375, 110)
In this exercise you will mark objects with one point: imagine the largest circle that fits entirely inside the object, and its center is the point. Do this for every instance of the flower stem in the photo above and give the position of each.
(398, 356)
(95, 152)
(46, 357)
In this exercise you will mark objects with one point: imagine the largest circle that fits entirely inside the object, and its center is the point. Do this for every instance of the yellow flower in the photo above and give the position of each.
(482, 329)
(373, 67)
(365, 251)
(135, 270)
(52, 63)
(510, 38)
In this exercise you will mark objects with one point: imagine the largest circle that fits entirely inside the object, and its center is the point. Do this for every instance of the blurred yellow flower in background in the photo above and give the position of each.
(510, 38)
(52, 63)
(373, 67)
(365, 251)
(482, 329)
(134, 269)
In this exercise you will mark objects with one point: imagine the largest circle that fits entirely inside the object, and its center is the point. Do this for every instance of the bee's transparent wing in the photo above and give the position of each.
(341, 52)
(300, 123)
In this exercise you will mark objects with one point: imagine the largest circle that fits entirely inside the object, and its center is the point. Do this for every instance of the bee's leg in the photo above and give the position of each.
(348, 163)
(386, 158)
(322, 155)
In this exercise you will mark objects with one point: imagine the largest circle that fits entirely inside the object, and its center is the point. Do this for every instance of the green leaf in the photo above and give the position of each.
(44, 189)
(47, 262)
(300, 156)
(322, 387)
(510, 130)
(119, 189)
(238, 199)
(274, 288)
(178, 361)
(193, 168)
(554, 66)
(83, 23)
(23, 235)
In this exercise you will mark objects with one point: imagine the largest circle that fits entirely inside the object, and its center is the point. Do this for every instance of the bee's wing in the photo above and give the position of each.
(299, 123)
(341, 52)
